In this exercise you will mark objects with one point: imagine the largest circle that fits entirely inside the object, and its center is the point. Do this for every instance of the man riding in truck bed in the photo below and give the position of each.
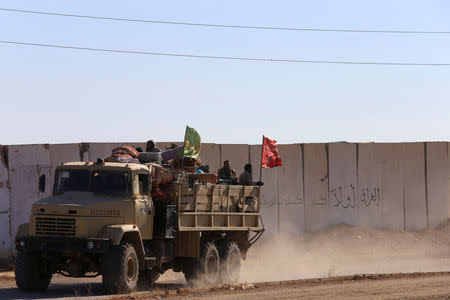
(227, 173)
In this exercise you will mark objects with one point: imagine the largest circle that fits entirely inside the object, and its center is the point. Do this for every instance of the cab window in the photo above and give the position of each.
(144, 184)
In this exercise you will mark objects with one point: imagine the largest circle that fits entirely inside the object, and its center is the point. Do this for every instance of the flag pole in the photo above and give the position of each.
(278, 204)
(260, 165)
(182, 155)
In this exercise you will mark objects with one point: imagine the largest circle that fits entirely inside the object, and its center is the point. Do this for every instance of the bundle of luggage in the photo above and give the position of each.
(161, 175)
(162, 162)
(124, 154)
(128, 154)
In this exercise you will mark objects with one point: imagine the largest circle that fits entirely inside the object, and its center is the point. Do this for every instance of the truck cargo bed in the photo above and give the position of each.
(211, 207)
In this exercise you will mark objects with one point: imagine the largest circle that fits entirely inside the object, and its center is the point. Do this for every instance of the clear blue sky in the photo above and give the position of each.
(60, 96)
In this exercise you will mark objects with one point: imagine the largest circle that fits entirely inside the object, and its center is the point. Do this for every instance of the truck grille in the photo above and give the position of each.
(55, 226)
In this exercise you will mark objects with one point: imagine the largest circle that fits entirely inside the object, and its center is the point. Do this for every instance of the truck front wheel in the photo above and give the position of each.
(30, 272)
(120, 269)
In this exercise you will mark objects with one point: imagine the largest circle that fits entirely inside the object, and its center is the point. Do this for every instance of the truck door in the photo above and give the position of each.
(145, 210)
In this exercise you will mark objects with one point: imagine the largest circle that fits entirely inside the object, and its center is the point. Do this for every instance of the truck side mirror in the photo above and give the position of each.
(42, 183)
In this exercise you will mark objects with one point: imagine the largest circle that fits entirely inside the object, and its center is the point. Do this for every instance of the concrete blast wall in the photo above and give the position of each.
(315, 178)
(414, 186)
(436, 179)
(403, 186)
(5, 232)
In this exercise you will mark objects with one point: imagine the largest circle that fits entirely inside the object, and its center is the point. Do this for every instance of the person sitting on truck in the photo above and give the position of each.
(151, 147)
(227, 173)
(246, 178)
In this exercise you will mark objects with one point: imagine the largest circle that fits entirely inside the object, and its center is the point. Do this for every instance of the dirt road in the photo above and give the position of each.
(331, 255)
(379, 286)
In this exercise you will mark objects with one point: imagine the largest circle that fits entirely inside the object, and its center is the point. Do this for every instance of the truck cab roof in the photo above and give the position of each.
(105, 165)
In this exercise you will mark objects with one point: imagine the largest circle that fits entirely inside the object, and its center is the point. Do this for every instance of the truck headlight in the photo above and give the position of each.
(90, 245)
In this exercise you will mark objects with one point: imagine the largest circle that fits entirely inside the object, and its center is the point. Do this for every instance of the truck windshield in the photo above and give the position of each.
(98, 181)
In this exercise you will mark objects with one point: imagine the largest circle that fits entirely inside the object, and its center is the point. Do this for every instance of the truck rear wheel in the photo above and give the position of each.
(30, 274)
(230, 263)
(120, 269)
(206, 269)
(210, 264)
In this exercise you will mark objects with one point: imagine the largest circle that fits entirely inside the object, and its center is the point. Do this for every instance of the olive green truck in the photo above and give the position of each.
(107, 219)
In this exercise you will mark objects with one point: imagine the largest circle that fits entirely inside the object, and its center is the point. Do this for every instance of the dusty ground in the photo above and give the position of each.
(344, 249)
(331, 253)
(382, 286)
(423, 287)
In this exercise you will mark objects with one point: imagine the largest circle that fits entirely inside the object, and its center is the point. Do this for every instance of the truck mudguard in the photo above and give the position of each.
(125, 233)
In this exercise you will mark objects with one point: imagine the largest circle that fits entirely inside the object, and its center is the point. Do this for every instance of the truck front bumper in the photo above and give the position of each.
(63, 244)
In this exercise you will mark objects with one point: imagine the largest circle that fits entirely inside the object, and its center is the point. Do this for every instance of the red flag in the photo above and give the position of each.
(270, 156)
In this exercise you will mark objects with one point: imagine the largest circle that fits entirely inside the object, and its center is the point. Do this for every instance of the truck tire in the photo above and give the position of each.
(204, 270)
(230, 262)
(209, 267)
(147, 278)
(120, 269)
(30, 274)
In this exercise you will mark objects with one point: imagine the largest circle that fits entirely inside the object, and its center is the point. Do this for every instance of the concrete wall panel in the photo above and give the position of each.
(290, 189)
(437, 183)
(369, 183)
(343, 195)
(237, 154)
(24, 192)
(29, 155)
(5, 234)
(61, 153)
(317, 204)
(25, 163)
(390, 156)
(380, 186)
(269, 192)
(413, 169)
(210, 155)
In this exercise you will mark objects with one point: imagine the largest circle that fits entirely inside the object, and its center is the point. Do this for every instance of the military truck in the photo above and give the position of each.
(109, 219)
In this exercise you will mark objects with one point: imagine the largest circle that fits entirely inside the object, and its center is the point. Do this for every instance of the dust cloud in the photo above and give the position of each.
(344, 250)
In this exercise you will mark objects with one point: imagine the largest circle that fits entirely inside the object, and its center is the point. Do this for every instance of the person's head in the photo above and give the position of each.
(248, 168)
(226, 164)
(139, 149)
(150, 145)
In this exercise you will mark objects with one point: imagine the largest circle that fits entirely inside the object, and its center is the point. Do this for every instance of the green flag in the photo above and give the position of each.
(191, 143)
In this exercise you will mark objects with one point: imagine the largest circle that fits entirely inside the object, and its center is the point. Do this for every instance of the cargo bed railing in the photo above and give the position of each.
(217, 207)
